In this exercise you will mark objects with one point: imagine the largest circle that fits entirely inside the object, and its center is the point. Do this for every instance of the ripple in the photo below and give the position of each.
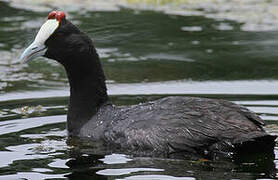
(260, 87)
(115, 159)
(19, 152)
(68, 5)
(259, 102)
(59, 163)
(224, 27)
(269, 118)
(17, 125)
(164, 56)
(255, 15)
(156, 177)
(41, 170)
(124, 171)
(32, 176)
(52, 132)
(264, 110)
(192, 28)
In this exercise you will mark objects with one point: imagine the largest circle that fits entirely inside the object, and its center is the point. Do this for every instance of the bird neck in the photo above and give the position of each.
(88, 91)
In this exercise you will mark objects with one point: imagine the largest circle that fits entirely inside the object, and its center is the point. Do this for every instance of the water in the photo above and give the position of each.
(146, 54)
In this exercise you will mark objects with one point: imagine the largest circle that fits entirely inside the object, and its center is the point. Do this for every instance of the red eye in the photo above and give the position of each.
(52, 15)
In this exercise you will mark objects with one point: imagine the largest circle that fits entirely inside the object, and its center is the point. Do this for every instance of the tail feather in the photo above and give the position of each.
(243, 147)
(261, 144)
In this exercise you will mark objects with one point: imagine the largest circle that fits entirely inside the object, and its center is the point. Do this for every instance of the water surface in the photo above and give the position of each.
(146, 54)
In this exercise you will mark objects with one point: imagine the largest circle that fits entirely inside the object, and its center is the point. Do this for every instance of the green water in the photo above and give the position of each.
(145, 55)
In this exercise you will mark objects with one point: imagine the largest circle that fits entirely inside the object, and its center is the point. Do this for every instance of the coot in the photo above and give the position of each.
(165, 127)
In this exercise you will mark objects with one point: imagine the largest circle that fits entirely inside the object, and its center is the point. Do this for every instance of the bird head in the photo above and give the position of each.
(57, 39)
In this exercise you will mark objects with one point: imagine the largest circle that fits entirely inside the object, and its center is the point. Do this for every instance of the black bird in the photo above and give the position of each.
(165, 127)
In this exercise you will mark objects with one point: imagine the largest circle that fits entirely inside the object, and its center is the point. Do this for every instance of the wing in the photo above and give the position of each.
(184, 124)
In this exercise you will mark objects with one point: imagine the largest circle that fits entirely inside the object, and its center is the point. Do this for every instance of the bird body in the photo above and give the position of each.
(164, 127)
(173, 125)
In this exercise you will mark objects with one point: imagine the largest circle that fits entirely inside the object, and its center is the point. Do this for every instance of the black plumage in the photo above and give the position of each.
(165, 127)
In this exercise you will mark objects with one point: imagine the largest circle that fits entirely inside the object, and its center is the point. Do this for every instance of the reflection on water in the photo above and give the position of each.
(33, 146)
(146, 55)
